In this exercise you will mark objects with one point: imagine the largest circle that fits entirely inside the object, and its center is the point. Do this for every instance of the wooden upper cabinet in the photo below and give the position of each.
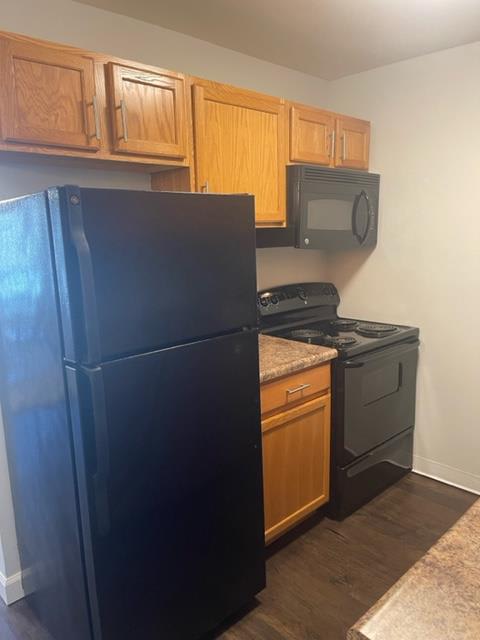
(311, 135)
(352, 143)
(62, 101)
(323, 137)
(241, 146)
(47, 97)
(149, 111)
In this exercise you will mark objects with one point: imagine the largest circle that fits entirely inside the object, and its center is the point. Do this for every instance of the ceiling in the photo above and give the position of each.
(325, 38)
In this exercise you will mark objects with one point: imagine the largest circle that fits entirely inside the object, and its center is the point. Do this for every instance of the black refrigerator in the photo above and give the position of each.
(129, 388)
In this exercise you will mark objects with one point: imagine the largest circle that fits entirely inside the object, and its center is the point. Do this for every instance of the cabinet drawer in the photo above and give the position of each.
(294, 388)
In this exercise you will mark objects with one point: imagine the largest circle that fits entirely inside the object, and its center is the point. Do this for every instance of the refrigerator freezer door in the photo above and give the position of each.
(138, 271)
(171, 445)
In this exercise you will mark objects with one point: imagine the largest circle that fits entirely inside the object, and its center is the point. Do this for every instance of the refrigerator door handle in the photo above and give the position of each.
(79, 418)
(85, 274)
(100, 433)
(89, 425)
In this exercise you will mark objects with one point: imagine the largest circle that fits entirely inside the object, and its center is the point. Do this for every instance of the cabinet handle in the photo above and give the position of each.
(344, 148)
(332, 144)
(204, 187)
(300, 387)
(96, 118)
(123, 108)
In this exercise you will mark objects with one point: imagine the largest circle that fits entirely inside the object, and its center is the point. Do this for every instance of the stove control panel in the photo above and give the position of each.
(293, 297)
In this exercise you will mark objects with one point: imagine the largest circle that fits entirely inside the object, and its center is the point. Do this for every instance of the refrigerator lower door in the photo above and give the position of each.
(138, 271)
(169, 449)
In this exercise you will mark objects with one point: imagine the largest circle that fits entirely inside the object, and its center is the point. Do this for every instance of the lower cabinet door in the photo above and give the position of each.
(296, 464)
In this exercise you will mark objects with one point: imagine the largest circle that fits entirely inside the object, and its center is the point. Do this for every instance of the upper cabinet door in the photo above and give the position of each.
(352, 143)
(240, 146)
(149, 111)
(311, 135)
(48, 97)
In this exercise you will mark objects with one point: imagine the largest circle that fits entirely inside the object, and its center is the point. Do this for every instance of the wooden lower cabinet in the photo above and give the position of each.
(296, 463)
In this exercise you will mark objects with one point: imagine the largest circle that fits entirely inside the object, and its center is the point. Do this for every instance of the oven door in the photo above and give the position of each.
(336, 216)
(374, 399)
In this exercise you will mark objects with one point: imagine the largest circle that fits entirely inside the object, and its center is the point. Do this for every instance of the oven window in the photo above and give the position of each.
(328, 214)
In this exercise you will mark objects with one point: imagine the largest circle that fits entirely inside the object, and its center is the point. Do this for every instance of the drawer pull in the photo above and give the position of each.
(300, 387)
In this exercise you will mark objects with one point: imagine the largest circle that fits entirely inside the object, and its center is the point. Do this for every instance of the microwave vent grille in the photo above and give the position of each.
(340, 175)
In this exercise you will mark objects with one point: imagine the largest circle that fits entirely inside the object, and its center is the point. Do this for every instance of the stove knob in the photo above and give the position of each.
(274, 300)
(264, 302)
(302, 295)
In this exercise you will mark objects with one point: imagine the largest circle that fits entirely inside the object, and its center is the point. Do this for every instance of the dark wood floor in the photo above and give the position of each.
(322, 578)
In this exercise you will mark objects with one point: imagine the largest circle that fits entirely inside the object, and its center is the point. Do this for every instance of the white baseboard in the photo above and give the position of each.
(448, 475)
(11, 588)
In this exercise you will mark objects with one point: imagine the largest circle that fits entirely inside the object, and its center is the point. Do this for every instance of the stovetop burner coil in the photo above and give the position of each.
(374, 330)
(343, 324)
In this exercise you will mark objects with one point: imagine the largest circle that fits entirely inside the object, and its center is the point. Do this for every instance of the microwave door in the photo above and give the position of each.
(330, 220)
(326, 220)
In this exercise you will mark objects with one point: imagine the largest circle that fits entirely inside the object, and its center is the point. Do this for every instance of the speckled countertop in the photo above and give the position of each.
(279, 357)
(438, 598)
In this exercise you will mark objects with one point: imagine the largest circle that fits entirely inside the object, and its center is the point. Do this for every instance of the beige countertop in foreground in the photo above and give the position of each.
(439, 598)
(279, 357)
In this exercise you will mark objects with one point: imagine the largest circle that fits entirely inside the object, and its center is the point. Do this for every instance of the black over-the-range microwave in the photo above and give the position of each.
(333, 208)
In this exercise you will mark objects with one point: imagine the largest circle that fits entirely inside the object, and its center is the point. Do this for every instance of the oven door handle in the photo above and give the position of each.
(396, 349)
(351, 364)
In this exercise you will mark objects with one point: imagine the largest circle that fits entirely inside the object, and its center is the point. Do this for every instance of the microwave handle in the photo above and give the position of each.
(361, 238)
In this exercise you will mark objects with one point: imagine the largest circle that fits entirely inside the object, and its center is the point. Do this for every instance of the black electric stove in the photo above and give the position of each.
(307, 312)
(373, 387)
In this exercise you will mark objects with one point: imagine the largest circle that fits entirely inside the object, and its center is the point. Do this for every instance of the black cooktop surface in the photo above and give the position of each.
(349, 336)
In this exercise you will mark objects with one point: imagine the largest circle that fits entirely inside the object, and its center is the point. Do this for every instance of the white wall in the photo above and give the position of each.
(425, 114)
(83, 26)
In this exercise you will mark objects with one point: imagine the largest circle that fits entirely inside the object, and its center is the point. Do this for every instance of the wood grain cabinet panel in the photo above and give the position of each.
(241, 146)
(311, 135)
(297, 387)
(296, 464)
(47, 97)
(352, 143)
(148, 111)
(326, 138)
